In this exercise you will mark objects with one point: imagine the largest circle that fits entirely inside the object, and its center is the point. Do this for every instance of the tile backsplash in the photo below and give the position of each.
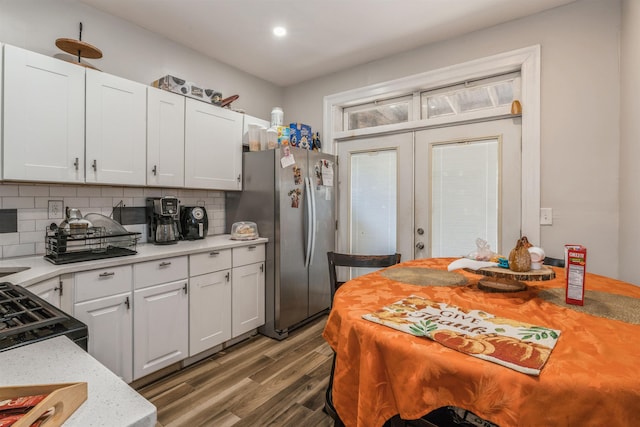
(24, 209)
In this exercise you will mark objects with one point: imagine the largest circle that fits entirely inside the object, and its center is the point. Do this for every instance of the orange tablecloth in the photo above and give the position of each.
(592, 377)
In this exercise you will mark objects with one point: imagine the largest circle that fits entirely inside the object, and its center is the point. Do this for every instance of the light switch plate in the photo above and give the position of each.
(55, 209)
(546, 216)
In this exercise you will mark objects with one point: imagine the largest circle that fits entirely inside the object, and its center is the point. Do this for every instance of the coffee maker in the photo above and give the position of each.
(162, 220)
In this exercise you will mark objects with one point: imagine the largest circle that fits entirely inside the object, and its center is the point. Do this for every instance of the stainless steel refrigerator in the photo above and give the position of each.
(290, 194)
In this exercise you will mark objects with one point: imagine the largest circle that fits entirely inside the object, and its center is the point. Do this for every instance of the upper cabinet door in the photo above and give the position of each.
(116, 130)
(43, 118)
(165, 138)
(213, 147)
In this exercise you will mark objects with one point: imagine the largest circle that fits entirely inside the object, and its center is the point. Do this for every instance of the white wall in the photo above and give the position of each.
(630, 143)
(129, 51)
(579, 119)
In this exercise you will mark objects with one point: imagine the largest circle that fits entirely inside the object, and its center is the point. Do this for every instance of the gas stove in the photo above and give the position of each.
(26, 318)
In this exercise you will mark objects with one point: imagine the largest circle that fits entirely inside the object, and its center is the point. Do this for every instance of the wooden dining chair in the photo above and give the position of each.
(349, 260)
(556, 262)
(357, 261)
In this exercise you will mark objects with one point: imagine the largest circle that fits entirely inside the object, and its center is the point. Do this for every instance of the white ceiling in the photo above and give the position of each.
(324, 36)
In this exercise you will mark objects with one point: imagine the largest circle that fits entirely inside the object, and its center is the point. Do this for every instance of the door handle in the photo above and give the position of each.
(420, 245)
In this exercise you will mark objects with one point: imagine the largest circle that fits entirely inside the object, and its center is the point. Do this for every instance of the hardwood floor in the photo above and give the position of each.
(258, 382)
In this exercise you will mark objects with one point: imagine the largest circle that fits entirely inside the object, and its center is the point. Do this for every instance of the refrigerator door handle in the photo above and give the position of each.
(307, 190)
(314, 215)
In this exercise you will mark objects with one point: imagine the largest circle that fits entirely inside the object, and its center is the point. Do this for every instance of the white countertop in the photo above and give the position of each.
(41, 269)
(110, 401)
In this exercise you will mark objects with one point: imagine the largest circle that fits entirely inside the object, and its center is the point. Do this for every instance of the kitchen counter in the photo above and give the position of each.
(40, 269)
(110, 401)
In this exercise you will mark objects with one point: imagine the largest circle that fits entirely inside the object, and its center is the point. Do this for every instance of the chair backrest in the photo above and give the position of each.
(364, 261)
(556, 262)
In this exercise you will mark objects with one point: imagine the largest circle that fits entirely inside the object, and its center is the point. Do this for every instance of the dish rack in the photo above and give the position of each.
(90, 243)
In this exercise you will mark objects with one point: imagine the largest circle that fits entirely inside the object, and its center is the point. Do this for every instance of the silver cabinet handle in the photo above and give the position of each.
(127, 303)
(262, 268)
(227, 276)
(165, 263)
(252, 247)
(94, 165)
(155, 170)
(107, 274)
(216, 253)
(184, 288)
(239, 176)
(76, 163)
(59, 288)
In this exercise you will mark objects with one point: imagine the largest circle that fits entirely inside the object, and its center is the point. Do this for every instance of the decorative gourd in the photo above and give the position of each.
(519, 258)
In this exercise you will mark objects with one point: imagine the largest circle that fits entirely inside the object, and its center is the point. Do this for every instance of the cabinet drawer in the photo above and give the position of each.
(103, 282)
(248, 254)
(208, 262)
(159, 271)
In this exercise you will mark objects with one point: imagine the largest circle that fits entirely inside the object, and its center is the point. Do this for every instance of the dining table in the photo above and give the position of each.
(590, 377)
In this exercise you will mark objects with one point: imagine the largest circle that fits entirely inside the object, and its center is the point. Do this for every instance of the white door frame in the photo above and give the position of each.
(527, 60)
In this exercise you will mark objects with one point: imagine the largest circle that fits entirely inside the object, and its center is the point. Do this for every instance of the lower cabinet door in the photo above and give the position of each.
(247, 298)
(109, 321)
(209, 310)
(160, 327)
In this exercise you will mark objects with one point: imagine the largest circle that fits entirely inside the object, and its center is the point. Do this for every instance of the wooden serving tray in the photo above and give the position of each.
(65, 398)
(545, 273)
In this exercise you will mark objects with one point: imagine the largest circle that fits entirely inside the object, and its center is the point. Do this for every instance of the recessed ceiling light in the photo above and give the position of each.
(280, 31)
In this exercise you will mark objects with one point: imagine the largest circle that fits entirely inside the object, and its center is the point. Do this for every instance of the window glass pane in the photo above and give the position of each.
(473, 99)
(373, 203)
(377, 115)
(464, 197)
(439, 106)
(462, 98)
(504, 92)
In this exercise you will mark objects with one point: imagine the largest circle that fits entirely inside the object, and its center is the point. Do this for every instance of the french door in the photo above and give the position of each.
(376, 195)
(432, 192)
(468, 185)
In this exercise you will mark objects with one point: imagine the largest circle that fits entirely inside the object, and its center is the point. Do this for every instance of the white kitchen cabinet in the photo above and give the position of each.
(161, 321)
(116, 130)
(165, 138)
(213, 147)
(248, 293)
(49, 290)
(160, 327)
(103, 301)
(43, 118)
(209, 300)
(110, 321)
